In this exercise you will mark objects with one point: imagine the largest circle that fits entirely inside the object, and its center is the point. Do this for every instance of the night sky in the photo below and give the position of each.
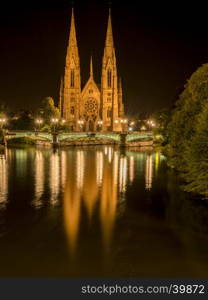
(158, 46)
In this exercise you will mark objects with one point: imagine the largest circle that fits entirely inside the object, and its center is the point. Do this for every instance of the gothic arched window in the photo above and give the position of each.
(109, 113)
(109, 78)
(72, 78)
(72, 110)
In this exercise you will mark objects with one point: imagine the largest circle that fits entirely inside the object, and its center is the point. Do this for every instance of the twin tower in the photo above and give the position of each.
(91, 108)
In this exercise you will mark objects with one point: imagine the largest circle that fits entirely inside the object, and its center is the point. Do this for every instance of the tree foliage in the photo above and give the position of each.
(48, 110)
(187, 147)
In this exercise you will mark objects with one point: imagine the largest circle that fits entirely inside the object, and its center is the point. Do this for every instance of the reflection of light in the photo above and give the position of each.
(123, 174)
(131, 169)
(21, 162)
(149, 173)
(106, 150)
(115, 169)
(110, 154)
(99, 167)
(39, 178)
(63, 169)
(3, 181)
(54, 177)
(80, 168)
(157, 160)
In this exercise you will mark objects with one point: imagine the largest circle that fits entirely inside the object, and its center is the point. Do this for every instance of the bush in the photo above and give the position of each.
(21, 141)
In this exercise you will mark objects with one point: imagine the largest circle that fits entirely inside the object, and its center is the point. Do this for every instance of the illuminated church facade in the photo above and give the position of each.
(91, 108)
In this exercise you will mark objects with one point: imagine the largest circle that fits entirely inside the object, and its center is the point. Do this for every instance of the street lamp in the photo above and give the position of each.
(39, 122)
(81, 123)
(124, 122)
(2, 122)
(143, 128)
(54, 122)
(100, 123)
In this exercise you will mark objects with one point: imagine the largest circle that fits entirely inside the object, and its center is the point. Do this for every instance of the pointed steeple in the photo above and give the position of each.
(72, 35)
(72, 50)
(72, 78)
(109, 36)
(91, 68)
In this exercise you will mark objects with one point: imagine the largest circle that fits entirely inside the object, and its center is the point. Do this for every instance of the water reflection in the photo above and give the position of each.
(39, 179)
(149, 172)
(3, 180)
(92, 182)
(54, 177)
(131, 168)
(109, 199)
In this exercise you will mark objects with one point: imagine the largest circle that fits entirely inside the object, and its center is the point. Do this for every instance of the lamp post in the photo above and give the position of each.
(54, 122)
(2, 122)
(80, 123)
(151, 124)
(63, 121)
(39, 122)
(124, 123)
(100, 123)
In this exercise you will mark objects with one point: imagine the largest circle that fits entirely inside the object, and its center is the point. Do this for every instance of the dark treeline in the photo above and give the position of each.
(186, 134)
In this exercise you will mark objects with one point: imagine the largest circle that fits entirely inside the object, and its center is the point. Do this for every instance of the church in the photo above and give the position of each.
(92, 108)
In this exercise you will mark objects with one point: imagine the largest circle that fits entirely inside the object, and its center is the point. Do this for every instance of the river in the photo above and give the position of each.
(98, 211)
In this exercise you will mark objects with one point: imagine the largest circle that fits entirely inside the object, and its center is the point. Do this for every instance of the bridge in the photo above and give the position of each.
(120, 138)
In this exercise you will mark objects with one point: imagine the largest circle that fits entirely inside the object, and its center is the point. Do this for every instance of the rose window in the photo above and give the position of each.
(91, 106)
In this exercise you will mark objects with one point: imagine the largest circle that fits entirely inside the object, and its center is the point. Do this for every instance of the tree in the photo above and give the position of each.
(182, 126)
(196, 156)
(22, 121)
(187, 149)
(48, 110)
(162, 118)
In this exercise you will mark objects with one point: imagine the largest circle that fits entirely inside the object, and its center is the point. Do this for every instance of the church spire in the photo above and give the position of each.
(109, 36)
(91, 68)
(72, 80)
(72, 35)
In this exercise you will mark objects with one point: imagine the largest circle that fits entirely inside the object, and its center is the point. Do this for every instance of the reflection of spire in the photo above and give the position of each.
(72, 205)
(90, 190)
(108, 201)
(54, 177)
(149, 172)
(3, 181)
(39, 178)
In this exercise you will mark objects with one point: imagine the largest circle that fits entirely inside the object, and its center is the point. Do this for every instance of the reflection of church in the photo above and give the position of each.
(92, 108)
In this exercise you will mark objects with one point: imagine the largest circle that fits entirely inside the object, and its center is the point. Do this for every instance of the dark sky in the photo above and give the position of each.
(158, 47)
